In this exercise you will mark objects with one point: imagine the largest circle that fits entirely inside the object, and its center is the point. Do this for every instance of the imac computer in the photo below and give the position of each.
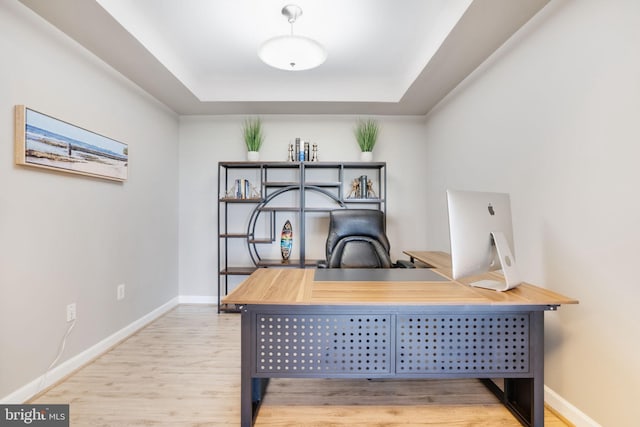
(482, 237)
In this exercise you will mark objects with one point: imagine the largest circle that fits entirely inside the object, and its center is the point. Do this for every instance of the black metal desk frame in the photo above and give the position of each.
(387, 341)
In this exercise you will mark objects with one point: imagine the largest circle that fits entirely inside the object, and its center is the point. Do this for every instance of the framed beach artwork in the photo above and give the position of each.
(46, 142)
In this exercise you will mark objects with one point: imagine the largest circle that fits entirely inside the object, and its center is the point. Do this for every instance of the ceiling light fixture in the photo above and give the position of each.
(291, 52)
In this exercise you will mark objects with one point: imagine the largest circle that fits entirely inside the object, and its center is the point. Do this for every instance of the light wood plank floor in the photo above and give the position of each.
(184, 370)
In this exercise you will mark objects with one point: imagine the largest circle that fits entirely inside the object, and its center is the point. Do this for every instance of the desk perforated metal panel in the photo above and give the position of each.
(298, 344)
(419, 345)
(475, 344)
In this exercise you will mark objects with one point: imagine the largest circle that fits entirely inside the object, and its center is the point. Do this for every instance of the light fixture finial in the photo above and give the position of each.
(292, 12)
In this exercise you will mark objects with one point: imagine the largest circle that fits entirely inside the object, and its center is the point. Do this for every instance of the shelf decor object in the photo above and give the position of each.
(366, 133)
(46, 142)
(286, 241)
(362, 188)
(292, 52)
(253, 138)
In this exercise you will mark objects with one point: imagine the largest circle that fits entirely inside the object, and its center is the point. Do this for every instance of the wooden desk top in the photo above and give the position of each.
(289, 286)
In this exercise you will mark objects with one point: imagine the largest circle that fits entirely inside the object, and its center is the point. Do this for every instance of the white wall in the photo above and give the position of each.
(204, 141)
(553, 119)
(66, 238)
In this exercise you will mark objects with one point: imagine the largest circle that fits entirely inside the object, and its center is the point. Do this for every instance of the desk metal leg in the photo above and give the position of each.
(246, 413)
(537, 388)
(246, 382)
(518, 398)
(252, 389)
(524, 397)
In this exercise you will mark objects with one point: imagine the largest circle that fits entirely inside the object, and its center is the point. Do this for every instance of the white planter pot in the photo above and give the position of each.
(253, 156)
(366, 156)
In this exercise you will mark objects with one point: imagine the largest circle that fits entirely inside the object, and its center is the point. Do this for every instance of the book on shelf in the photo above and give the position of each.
(241, 189)
(306, 151)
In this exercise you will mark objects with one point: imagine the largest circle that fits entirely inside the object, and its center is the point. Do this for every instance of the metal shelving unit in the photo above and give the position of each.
(298, 189)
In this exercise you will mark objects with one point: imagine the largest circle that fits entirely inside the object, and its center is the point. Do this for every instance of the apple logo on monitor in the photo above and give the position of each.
(491, 211)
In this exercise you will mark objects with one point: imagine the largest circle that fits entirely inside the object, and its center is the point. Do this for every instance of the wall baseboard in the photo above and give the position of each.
(567, 410)
(197, 299)
(39, 384)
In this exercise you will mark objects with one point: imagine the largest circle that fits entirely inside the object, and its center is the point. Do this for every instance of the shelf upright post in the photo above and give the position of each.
(341, 181)
(263, 181)
(382, 174)
(220, 202)
(301, 213)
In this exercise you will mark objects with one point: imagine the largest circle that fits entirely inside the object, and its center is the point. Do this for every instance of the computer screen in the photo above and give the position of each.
(482, 237)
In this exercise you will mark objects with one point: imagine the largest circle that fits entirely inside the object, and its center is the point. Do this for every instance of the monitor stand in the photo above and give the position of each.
(507, 263)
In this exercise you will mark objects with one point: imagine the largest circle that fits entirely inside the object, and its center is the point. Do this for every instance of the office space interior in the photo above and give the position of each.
(538, 99)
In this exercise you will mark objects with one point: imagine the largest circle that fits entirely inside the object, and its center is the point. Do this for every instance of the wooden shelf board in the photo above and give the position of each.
(235, 235)
(257, 165)
(325, 209)
(323, 184)
(359, 200)
(346, 165)
(297, 164)
(235, 200)
(282, 184)
(237, 271)
(265, 240)
(278, 209)
(291, 263)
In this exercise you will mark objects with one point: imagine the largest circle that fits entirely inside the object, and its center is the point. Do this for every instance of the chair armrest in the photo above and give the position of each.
(404, 264)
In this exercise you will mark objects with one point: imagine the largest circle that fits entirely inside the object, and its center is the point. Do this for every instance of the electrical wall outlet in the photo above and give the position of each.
(120, 292)
(71, 312)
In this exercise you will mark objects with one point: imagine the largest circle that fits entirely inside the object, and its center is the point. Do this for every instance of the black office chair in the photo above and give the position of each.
(357, 239)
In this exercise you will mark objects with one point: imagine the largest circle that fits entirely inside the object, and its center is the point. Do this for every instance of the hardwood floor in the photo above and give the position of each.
(184, 370)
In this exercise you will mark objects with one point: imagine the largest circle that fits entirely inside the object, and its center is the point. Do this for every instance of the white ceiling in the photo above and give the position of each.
(200, 56)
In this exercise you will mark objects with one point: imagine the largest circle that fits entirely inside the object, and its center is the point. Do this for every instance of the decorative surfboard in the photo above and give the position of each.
(286, 241)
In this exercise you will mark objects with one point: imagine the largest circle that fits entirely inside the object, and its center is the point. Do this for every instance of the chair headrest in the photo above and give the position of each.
(356, 222)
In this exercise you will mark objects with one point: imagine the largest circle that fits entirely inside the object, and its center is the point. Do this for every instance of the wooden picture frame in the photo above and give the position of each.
(46, 142)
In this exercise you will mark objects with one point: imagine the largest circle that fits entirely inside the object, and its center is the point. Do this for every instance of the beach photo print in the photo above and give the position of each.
(46, 142)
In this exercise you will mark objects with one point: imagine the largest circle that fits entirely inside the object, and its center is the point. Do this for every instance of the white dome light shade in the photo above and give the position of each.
(292, 53)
